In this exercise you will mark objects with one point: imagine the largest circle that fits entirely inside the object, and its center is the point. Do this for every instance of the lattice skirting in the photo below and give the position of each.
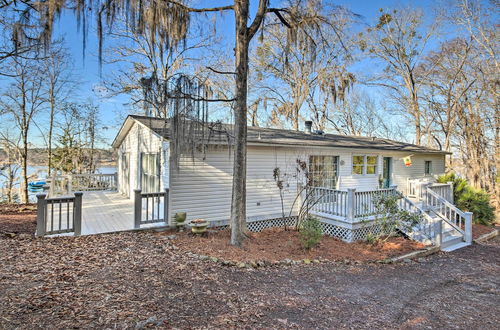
(345, 234)
(259, 225)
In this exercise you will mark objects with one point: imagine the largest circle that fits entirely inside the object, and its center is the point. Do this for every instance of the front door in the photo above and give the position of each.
(387, 172)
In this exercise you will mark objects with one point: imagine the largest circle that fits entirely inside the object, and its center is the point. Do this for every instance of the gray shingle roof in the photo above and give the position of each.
(297, 138)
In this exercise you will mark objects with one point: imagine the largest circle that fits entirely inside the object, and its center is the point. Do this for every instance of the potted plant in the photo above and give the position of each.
(199, 226)
(180, 218)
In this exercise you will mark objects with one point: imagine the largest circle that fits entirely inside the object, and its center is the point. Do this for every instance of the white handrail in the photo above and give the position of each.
(447, 211)
(427, 226)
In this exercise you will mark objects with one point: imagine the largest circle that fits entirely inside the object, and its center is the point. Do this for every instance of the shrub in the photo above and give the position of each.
(470, 199)
(390, 219)
(310, 232)
(478, 202)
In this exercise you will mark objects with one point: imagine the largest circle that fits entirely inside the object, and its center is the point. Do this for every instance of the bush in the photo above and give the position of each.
(470, 199)
(390, 219)
(310, 232)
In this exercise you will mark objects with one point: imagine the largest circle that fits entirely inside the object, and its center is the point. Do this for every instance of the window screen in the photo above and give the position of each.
(323, 171)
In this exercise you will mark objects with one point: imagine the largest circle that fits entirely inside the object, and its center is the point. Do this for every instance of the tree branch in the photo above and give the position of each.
(220, 72)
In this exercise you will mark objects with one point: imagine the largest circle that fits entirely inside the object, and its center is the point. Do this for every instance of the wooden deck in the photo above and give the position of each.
(107, 211)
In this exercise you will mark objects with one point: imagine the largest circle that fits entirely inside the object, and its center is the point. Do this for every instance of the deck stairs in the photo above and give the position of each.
(442, 224)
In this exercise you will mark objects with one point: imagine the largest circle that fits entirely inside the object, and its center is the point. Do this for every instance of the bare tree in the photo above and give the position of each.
(290, 74)
(22, 100)
(9, 170)
(60, 83)
(399, 40)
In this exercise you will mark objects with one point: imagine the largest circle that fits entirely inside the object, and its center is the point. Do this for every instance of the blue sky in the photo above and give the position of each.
(87, 68)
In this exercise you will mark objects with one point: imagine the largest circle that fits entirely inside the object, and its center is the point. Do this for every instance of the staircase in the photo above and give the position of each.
(442, 223)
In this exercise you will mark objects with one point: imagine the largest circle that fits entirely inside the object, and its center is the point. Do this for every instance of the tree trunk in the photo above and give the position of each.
(238, 202)
(51, 128)
(24, 171)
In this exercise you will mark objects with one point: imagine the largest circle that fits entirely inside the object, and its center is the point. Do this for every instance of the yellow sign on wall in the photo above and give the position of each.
(407, 161)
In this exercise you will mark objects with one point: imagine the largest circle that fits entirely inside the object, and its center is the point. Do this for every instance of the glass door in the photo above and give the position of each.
(387, 172)
(150, 172)
(125, 174)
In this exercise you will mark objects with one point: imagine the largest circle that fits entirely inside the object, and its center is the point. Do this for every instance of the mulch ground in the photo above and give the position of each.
(143, 280)
(137, 280)
(275, 244)
(17, 219)
(479, 230)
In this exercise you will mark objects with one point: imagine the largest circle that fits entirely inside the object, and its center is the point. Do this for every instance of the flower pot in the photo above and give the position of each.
(180, 218)
(199, 226)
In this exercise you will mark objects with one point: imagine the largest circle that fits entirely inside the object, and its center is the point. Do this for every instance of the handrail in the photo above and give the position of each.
(452, 215)
(429, 230)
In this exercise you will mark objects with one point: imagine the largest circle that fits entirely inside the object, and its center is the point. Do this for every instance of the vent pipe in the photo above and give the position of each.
(308, 126)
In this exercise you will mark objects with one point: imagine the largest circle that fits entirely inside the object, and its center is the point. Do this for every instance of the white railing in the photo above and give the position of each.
(365, 201)
(329, 201)
(59, 215)
(415, 187)
(444, 190)
(349, 206)
(459, 220)
(427, 229)
(66, 184)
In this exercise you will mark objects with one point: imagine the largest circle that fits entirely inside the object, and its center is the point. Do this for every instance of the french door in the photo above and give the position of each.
(150, 172)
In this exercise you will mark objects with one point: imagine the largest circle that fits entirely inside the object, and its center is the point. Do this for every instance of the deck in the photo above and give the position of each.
(106, 212)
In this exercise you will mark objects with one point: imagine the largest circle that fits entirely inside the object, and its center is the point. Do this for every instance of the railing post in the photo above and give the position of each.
(70, 183)
(116, 181)
(451, 197)
(77, 224)
(350, 204)
(41, 220)
(468, 227)
(137, 208)
(439, 232)
(165, 206)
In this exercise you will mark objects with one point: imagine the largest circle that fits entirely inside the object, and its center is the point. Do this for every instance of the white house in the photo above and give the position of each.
(201, 184)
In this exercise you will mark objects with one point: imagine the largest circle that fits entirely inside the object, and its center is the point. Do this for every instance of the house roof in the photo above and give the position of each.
(273, 136)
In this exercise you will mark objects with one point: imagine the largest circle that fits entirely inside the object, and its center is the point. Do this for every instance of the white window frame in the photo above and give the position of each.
(331, 176)
(365, 164)
(430, 167)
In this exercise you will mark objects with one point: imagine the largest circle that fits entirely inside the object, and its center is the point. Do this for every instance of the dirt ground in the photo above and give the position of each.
(137, 280)
(275, 244)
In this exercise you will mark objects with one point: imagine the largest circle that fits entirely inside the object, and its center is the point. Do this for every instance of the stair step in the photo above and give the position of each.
(455, 247)
(450, 241)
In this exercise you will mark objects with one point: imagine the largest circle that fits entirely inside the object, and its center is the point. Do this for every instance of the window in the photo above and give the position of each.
(364, 164)
(371, 164)
(150, 172)
(428, 167)
(323, 171)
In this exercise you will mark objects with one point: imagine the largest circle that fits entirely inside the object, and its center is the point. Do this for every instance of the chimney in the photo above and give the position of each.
(308, 126)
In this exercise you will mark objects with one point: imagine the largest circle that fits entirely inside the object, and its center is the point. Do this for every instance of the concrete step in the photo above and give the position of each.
(454, 247)
(451, 240)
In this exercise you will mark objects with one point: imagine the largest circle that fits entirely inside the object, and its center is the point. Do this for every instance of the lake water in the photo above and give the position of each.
(40, 172)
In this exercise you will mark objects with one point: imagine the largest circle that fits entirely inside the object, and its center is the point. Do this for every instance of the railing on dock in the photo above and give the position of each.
(66, 184)
(150, 207)
(58, 215)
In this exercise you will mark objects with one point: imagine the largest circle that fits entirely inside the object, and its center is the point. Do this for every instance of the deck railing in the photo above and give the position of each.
(66, 184)
(444, 190)
(59, 215)
(350, 205)
(150, 207)
(329, 201)
(365, 201)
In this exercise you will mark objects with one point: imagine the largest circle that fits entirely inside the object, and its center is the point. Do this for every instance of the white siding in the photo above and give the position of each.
(142, 139)
(202, 187)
